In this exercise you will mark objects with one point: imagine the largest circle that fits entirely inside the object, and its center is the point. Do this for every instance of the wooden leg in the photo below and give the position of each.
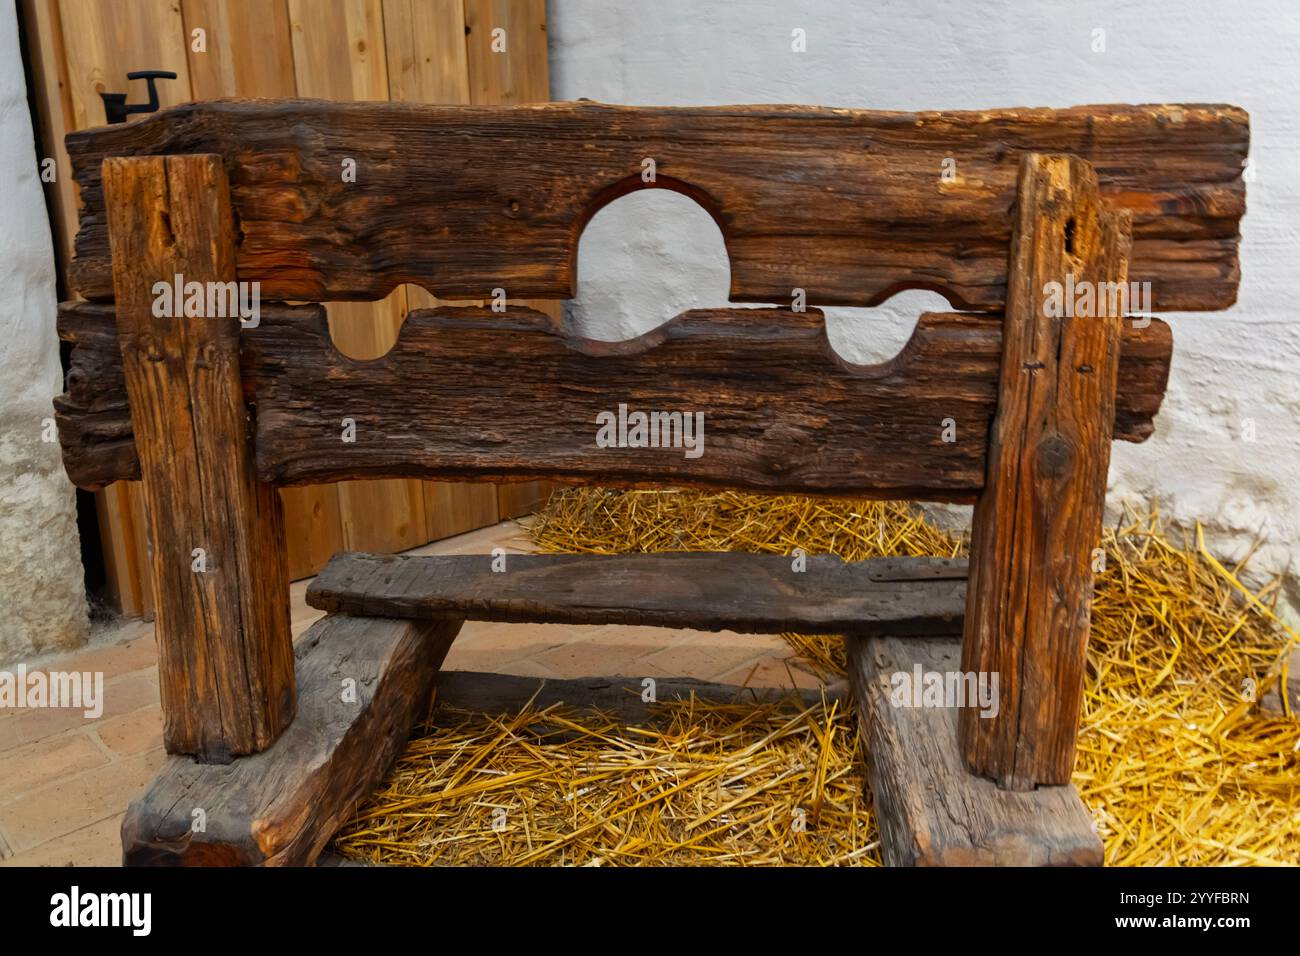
(1038, 520)
(220, 580)
(362, 685)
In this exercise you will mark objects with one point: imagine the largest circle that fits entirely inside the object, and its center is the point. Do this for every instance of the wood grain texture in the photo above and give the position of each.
(509, 73)
(225, 664)
(849, 205)
(248, 48)
(93, 44)
(425, 47)
(931, 811)
(250, 53)
(52, 95)
(514, 69)
(1039, 517)
(340, 53)
(485, 693)
(750, 593)
(280, 807)
(106, 40)
(468, 392)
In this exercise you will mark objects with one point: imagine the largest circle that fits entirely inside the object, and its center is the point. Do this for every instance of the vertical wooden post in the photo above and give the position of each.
(1039, 518)
(225, 654)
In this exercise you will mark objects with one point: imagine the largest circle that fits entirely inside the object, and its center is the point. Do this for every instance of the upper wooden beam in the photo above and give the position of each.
(849, 205)
(469, 393)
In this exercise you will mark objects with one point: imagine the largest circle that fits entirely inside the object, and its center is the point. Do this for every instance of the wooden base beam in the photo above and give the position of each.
(362, 685)
(931, 810)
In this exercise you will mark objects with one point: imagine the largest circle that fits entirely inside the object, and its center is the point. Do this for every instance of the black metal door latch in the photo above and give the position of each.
(115, 107)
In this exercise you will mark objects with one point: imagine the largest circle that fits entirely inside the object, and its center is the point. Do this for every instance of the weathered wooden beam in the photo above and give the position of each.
(621, 697)
(849, 205)
(1039, 518)
(217, 562)
(751, 593)
(473, 394)
(930, 809)
(362, 685)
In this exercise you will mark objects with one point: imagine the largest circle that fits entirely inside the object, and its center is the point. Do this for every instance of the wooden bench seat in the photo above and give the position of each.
(752, 593)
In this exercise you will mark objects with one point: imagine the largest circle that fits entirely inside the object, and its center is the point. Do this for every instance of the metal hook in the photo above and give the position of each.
(116, 109)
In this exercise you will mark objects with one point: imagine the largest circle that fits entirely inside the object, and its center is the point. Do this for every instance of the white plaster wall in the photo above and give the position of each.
(42, 599)
(654, 253)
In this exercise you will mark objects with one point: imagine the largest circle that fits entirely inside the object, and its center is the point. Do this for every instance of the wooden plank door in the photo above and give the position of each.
(416, 50)
(426, 48)
(244, 56)
(519, 73)
(338, 54)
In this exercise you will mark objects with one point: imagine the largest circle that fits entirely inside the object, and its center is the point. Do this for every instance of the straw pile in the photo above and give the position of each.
(1176, 761)
(705, 783)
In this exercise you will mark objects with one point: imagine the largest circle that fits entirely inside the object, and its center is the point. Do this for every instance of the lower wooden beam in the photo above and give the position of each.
(931, 810)
(362, 685)
(620, 697)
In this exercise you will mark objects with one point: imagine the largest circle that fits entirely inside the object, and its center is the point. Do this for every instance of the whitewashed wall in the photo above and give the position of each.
(42, 599)
(654, 253)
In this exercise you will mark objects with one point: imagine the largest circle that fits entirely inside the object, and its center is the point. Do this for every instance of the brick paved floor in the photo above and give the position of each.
(65, 780)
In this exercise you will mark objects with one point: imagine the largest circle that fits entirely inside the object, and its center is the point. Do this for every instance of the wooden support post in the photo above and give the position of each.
(225, 654)
(1039, 517)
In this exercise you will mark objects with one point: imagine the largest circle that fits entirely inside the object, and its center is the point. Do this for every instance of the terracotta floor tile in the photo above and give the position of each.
(96, 844)
(121, 696)
(779, 672)
(132, 733)
(35, 765)
(69, 804)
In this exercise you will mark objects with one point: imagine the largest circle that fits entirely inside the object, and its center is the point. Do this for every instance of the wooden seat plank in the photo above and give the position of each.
(752, 593)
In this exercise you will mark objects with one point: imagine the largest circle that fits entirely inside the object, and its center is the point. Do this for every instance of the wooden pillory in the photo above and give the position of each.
(1011, 404)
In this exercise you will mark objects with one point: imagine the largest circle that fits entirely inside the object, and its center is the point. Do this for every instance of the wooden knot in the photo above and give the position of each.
(209, 356)
(1055, 456)
(78, 384)
(148, 346)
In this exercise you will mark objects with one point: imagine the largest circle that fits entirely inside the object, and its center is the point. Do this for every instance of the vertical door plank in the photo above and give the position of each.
(54, 115)
(101, 41)
(339, 54)
(425, 46)
(105, 40)
(250, 53)
(518, 74)
(425, 42)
